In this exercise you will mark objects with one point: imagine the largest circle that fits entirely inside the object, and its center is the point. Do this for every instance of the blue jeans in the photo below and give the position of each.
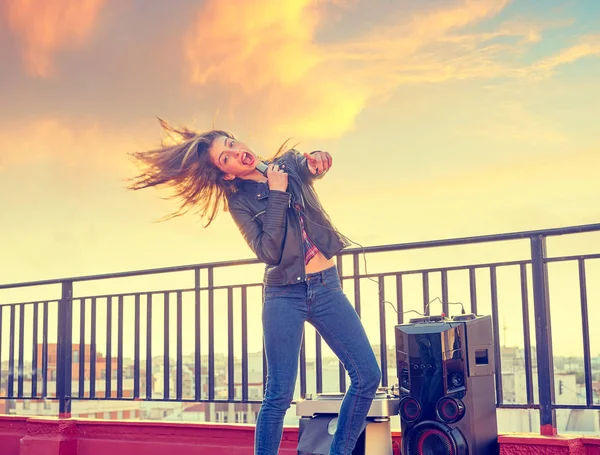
(320, 301)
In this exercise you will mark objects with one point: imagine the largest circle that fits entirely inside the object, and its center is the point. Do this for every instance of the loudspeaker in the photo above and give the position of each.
(446, 380)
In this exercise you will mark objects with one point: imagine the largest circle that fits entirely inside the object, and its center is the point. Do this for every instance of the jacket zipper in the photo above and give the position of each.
(258, 214)
(299, 229)
(312, 239)
(321, 250)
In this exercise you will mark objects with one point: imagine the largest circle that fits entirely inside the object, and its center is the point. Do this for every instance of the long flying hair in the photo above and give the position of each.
(184, 166)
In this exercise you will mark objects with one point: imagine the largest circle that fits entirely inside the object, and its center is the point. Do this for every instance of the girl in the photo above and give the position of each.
(283, 222)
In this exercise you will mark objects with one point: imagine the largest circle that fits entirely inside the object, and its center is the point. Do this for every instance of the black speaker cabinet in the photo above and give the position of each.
(446, 380)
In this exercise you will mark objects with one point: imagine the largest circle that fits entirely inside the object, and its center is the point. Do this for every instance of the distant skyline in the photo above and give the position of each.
(445, 118)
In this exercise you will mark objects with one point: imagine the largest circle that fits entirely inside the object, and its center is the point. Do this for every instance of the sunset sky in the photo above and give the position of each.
(445, 118)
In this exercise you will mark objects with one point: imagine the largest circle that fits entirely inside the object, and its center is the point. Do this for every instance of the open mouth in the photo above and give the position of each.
(247, 159)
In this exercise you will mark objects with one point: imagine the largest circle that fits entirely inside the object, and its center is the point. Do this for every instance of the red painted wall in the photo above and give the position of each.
(51, 436)
(525, 444)
(12, 429)
(592, 445)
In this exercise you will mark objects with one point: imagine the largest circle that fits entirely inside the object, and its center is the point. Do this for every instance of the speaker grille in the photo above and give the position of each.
(410, 409)
(449, 409)
(430, 441)
(433, 438)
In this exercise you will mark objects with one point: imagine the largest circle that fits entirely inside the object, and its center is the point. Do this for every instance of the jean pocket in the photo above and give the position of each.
(272, 292)
(332, 284)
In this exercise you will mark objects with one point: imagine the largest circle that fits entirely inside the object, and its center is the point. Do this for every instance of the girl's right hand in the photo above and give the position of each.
(277, 178)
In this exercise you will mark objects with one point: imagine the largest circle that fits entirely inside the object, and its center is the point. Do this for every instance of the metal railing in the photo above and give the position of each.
(200, 295)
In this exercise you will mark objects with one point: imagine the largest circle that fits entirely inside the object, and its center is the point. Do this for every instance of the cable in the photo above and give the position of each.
(349, 240)
(301, 213)
(449, 303)
(382, 299)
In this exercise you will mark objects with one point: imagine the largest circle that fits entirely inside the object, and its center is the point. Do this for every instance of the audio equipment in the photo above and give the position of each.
(319, 417)
(262, 167)
(446, 381)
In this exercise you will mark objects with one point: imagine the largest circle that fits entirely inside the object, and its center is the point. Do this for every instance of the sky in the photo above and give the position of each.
(445, 118)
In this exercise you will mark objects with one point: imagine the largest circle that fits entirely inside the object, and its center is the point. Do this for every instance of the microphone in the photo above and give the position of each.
(262, 167)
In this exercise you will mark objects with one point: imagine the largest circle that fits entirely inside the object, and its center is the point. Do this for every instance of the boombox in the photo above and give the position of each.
(446, 380)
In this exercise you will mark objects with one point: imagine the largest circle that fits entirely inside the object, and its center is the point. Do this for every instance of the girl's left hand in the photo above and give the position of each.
(318, 162)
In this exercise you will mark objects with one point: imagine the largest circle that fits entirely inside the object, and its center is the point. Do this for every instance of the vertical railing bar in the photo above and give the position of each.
(120, 347)
(93, 349)
(11, 354)
(496, 335)
(230, 351)
(543, 335)
(341, 369)
(34, 353)
(45, 350)
(108, 367)
(211, 335)
(149, 346)
(382, 331)
(179, 373)
(318, 363)
(445, 305)
(526, 335)
(356, 267)
(427, 310)
(81, 356)
(399, 298)
(65, 350)
(166, 359)
(136, 348)
(473, 289)
(244, 343)
(1, 311)
(21, 362)
(303, 367)
(264, 355)
(585, 328)
(197, 349)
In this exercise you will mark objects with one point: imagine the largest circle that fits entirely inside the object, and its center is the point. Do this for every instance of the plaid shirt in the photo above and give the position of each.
(310, 249)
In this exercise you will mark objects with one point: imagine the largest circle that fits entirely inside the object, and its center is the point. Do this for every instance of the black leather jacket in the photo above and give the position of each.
(269, 221)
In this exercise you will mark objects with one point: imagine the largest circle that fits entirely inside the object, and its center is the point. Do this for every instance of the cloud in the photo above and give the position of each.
(588, 46)
(525, 194)
(512, 122)
(263, 60)
(229, 50)
(559, 184)
(440, 46)
(405, 36)
(45, 28)
(264, 52)
(78, 149)
(272, 61)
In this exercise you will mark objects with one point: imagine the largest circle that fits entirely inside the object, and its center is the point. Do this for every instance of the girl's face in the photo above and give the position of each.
(234, 158)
